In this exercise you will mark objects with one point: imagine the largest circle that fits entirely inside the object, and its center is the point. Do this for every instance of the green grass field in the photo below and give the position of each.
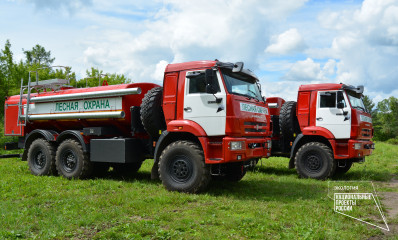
(269, 203)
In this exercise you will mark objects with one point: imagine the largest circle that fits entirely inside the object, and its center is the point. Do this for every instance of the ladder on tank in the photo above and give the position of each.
(54, 84)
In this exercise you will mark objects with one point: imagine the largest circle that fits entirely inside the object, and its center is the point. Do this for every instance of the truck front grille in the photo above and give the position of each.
(255, 127)
(366, 132)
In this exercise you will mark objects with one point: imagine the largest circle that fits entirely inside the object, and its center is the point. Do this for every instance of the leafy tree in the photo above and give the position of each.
(386, 126)
(8, 74)
(38, 56)
(95, 77)
(369, 105)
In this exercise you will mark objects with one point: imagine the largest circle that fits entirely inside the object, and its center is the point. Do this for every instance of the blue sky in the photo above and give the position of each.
(286, 43)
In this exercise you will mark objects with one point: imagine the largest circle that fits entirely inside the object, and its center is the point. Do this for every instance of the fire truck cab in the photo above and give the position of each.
(325, 132)
(215, 110)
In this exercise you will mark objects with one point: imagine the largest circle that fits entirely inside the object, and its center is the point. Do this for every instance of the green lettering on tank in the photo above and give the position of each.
(66, 106)
(96, 104)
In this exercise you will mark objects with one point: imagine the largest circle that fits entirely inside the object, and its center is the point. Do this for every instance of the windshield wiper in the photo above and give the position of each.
(254, 94)
(361, 108)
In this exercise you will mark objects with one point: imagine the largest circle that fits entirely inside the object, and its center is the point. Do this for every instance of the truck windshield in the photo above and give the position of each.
(241, 84)
(356, 101)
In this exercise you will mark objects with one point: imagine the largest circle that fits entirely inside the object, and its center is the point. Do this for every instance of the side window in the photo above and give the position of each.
(197, 83)
(340, 98)
(328, 100)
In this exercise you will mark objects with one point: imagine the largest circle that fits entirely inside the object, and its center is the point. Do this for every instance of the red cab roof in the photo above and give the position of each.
(175, 67)
(320, 86)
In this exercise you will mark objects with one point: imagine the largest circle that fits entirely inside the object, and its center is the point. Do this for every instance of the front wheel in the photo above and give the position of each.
(182, 167)
(315, 160)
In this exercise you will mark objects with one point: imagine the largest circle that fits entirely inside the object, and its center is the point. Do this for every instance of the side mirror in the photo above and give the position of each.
(340, 105)
(210, 81)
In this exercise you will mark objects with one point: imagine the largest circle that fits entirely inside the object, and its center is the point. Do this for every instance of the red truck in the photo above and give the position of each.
(208, 120)
(324, 132)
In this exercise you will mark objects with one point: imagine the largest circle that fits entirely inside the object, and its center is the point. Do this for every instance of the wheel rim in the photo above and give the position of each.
(39, 159)
(313, 162)
(180, 169)
(69, 160)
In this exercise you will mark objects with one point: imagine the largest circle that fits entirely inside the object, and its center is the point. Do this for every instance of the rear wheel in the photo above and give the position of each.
(41, 158)
(182, 167)
(71, 161)
(315, 160)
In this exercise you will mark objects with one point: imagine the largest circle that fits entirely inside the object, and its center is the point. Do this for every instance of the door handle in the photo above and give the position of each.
(188, 109)
(319, 119)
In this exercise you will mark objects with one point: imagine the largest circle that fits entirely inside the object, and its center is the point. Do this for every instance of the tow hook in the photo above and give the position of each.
(250, 164)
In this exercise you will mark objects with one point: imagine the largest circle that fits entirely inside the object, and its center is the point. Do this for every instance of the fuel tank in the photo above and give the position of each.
(75, 108)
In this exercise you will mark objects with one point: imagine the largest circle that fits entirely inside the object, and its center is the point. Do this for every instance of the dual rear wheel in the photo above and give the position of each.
(70, 161)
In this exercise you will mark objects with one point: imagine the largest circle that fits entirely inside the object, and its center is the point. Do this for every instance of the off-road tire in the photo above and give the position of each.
(182, 167)
(72, 161)
(315, 160)
(233, 172)
(288, 122)
(151, 112)
(41, 158)
(343, 170)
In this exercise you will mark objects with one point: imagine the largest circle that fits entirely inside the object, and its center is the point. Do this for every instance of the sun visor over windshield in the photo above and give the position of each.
(358, 90)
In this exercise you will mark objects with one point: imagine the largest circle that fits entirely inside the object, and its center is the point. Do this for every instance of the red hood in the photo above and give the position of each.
(247, 117)
(361, 125)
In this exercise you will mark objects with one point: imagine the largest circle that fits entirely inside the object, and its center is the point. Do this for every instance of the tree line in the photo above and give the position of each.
(384, 113)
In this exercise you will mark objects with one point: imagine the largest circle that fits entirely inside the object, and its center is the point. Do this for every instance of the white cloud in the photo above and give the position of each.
(284, 89)
(287, 42)
(187, 31)
(356, 42)
(329, 68)
(64, 7)
(366, 44)
(159, 71)
(304, 71)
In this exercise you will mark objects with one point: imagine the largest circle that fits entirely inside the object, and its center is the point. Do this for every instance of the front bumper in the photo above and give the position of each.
(252, 148)
(359, 149)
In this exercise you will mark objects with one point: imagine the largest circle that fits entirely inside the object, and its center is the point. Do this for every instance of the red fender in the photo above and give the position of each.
(186, 126)
(319, 131)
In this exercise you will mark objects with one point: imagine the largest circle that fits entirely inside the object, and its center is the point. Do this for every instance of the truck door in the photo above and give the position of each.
(201, 107)
(330, 117)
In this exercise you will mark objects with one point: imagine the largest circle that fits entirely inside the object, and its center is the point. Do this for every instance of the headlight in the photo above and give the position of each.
(357, 146)
(238, 145)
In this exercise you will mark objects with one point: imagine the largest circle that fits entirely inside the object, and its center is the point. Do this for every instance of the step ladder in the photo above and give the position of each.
(54, 84)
